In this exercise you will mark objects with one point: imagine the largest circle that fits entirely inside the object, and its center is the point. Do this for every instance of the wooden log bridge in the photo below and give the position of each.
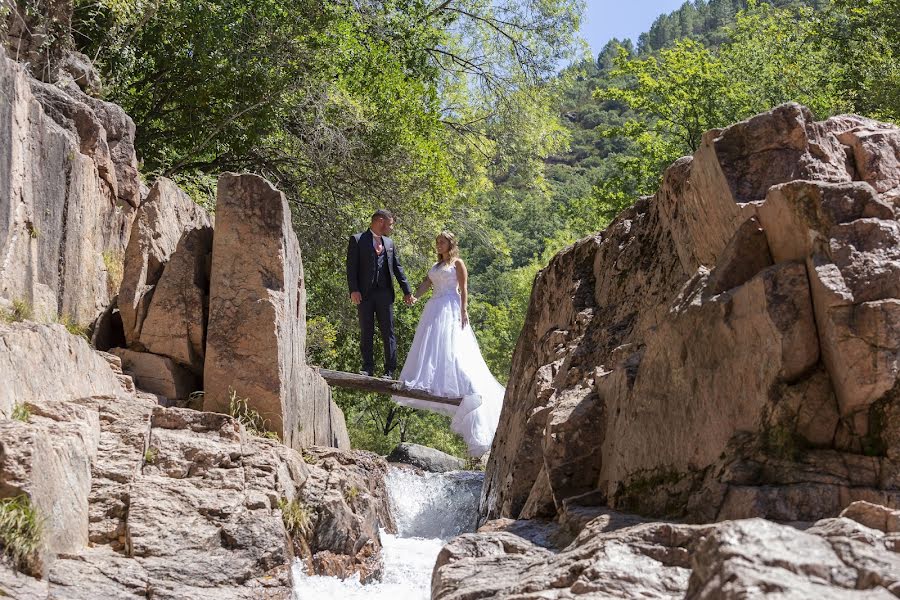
(391, 387)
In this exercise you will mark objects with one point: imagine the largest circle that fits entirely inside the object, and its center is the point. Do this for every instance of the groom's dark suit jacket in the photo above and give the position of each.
(362, 261)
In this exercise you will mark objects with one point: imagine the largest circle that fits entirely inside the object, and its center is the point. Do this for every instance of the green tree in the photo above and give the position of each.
(776, 55)
(864, 34)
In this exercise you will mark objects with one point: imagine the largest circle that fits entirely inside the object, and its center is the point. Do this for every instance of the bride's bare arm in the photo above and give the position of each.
(423, 287)
(462, 276)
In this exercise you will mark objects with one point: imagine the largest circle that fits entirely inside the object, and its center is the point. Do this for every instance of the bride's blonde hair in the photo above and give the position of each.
(453, 252)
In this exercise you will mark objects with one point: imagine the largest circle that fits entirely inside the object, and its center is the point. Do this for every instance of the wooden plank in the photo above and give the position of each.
(364, 383)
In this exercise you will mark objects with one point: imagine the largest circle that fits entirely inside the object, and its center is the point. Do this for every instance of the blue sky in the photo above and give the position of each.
(606, 19)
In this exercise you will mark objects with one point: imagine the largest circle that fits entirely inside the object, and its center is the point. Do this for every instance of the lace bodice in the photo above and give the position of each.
(443, 279)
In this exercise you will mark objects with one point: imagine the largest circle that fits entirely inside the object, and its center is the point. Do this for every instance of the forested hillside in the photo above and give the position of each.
(453, 115)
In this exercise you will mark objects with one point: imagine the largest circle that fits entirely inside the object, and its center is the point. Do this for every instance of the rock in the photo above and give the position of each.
(82, 71)
(425, 458)
(850, 240)
(723, 347)
(740, 558)
(874, 516)
(256, 336)
(117, 125)
(159, 225)
(157, 374)
(146, 497)
(45, 363)
(347, 492)
(175, 325)
(49, 457)
(614, 557)
(61, 226)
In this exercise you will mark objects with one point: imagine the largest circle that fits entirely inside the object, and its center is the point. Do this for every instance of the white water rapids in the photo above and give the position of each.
(429, 510)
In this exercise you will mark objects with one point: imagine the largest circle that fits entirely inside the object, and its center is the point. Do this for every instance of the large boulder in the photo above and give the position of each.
(612, 557)
(256, 337)
(157, 374)
(161, 222)
(425, 458)
(175, 325)
(347, 495)
(728, 348)
(66, 199)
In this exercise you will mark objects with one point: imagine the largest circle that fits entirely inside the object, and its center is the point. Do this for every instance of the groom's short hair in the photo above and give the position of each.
(382, 213)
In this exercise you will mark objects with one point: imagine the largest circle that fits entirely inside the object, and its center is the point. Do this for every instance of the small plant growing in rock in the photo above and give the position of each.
(308, 457)
(72, 326)
(151, 455)
(20, 531)
(33, 231)
(114, 263)
(781, 442)
(351, 494)
(296, 515)
(21, 311)
(239, 408)
(20, 412)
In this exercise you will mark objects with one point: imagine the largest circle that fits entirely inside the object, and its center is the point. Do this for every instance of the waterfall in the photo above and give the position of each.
(429, 509)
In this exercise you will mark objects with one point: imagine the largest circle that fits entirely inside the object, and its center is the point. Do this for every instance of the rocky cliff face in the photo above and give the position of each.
(68, 191)
(727, 348)
(142, 501)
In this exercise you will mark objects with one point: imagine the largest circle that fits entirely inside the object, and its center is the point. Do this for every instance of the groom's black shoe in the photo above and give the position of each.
(388, 375)
(366, 373)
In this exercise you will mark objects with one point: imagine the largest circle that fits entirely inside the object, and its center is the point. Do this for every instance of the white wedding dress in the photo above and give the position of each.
(446, 361)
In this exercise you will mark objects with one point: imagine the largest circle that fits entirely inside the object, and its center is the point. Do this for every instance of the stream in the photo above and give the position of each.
(429, 509)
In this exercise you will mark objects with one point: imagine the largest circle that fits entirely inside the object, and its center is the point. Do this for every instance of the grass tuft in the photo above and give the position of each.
(297, 517)
(253, 422)
(20, 531)
(21, 311)
(72, 326)
(114, 263)
(151, 455)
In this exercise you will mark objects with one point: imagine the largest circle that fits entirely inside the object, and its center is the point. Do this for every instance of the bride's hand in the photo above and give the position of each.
(464, 318)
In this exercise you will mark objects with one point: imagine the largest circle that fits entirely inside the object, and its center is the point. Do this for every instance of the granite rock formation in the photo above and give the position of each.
(425, 458)
(727, 348)
(68, 189)
(136, 496)
(164, 218)
(855, 555)
(256, 336)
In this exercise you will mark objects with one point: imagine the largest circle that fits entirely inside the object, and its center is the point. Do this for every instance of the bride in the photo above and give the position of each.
(445, 359)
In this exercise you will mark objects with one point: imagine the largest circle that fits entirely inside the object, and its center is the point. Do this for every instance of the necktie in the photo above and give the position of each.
(379, 246)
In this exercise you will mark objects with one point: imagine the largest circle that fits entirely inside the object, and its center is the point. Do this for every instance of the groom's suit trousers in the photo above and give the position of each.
(378, 304)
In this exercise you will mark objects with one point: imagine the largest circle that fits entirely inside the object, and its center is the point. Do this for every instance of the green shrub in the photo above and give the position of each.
(151, 455)
(20, 531)
(351, 494)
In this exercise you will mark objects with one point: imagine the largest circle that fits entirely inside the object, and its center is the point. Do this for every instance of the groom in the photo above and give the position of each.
(372, 263)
